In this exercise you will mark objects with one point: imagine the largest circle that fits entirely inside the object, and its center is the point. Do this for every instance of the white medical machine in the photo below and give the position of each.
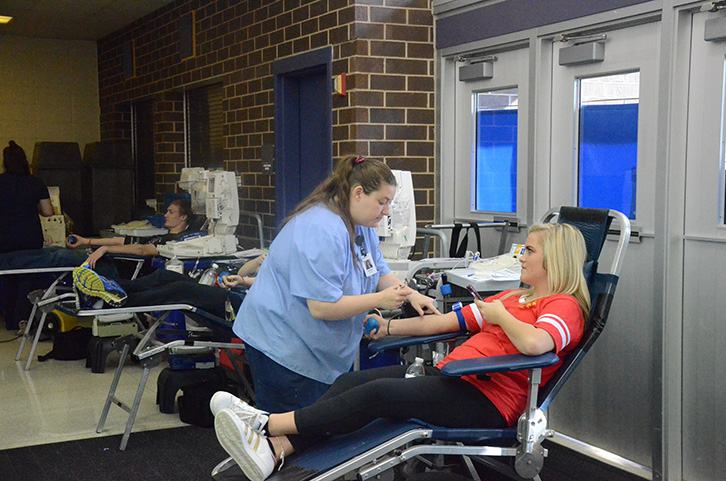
(397, 231)
(214, 194)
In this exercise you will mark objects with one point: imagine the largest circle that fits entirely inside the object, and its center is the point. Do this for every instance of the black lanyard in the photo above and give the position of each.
(359, 243)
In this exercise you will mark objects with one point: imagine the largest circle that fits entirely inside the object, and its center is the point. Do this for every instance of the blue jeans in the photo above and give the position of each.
(15, 289)
(278, 389)
(53, 256)
(167, 287)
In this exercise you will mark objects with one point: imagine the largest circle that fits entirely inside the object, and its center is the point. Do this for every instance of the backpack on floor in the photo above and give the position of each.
(70, 345)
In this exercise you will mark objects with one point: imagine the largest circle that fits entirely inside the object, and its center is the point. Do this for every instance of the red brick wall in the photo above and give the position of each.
(384, 46)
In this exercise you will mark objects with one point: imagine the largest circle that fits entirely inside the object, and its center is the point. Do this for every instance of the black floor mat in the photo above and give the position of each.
(179, 454)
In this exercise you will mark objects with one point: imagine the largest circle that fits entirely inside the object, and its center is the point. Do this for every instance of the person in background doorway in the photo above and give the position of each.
(22, 197)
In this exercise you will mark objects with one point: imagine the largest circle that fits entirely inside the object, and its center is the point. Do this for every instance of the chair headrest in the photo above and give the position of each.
(593, 223)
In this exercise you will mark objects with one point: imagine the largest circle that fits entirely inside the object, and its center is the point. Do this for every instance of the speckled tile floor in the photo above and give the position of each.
(62, 400)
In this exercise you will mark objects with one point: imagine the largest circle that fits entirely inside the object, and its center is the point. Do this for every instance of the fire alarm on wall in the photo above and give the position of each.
(339, 84)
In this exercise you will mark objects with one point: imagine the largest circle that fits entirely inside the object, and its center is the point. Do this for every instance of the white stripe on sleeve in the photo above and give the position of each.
(477, 314)
(559, 324)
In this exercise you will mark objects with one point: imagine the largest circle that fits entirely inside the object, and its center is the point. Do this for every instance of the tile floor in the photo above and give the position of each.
(62, 400)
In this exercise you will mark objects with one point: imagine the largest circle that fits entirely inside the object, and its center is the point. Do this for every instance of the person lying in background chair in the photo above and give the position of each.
(163, 287)
(177, 219)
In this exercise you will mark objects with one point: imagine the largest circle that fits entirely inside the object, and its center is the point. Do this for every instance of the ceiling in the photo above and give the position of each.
(73, 19)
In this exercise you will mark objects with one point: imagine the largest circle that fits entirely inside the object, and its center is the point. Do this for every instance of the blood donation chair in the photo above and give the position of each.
(373, 451)
(216, 333)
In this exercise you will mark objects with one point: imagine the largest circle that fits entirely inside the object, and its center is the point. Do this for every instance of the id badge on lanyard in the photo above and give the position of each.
(368, 266)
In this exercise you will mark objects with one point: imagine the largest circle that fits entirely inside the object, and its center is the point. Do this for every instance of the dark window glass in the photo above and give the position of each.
(204, 123)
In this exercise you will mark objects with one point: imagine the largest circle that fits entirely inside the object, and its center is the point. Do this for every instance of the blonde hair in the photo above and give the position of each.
(564, 255)
(334, 192)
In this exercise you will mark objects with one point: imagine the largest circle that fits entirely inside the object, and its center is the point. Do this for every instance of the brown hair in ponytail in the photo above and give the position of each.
(14, 160)
(334, 192)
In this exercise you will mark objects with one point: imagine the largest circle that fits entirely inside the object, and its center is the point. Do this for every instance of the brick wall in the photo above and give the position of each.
(384, 46)
(168, 139)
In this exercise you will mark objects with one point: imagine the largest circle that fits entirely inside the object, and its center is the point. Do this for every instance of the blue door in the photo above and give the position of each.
(303, 127)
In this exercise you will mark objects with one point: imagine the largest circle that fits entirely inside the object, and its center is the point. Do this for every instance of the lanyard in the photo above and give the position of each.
(359, 243)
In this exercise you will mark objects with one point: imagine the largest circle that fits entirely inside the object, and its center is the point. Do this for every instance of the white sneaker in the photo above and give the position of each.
(248, 448)
(254, 417)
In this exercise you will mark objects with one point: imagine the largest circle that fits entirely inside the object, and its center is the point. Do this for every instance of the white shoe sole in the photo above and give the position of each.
(230, 437)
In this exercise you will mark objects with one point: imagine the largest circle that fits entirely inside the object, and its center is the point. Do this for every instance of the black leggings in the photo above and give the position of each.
(357, 398)
(168, 287)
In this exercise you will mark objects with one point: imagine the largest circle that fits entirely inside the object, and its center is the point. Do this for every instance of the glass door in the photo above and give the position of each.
(602, 154)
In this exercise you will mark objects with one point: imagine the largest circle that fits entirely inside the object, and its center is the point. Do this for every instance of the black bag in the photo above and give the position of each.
(194, 402)
(457, 249)
(70, 345)
(194, 405)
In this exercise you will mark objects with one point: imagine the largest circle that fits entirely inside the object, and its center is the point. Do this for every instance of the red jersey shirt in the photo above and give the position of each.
(560, 315)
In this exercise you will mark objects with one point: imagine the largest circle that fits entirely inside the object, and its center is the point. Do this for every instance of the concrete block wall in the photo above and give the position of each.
(384, 46)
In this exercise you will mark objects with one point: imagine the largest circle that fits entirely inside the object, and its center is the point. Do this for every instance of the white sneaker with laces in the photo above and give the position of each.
(256, 418)
(248, 448)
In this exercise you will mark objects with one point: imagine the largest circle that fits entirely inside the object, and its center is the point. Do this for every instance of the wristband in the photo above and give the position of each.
(388, 327)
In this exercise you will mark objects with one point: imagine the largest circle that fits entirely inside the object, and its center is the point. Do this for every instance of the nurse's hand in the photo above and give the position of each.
(422, 304)
(95, 255)
(394, 296)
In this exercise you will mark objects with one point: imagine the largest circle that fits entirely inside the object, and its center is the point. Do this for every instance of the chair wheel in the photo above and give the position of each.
(529, 465)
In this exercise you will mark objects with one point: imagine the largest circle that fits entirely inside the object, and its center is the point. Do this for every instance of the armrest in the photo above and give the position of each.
(128, 257)
(512, 362)
(390, 343)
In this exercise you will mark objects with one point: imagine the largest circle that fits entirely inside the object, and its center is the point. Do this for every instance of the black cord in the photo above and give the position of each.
(12, 339)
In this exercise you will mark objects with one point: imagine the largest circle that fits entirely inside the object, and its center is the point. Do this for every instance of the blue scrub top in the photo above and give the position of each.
(309, 259)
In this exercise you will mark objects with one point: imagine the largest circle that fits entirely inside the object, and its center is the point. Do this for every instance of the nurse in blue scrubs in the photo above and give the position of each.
(302, 320)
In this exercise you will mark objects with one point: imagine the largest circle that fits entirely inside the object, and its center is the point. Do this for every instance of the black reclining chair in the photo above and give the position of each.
(372, 452)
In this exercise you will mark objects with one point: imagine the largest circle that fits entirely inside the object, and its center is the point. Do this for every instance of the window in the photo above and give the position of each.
(484, 120)
(204, 126)
(143, 148)
(607, 147)
(495, 179)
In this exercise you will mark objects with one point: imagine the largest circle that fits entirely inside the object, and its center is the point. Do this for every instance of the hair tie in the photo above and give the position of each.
(359, 159)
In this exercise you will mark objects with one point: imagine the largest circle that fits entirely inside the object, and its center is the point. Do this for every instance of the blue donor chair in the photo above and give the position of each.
(373, 451)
